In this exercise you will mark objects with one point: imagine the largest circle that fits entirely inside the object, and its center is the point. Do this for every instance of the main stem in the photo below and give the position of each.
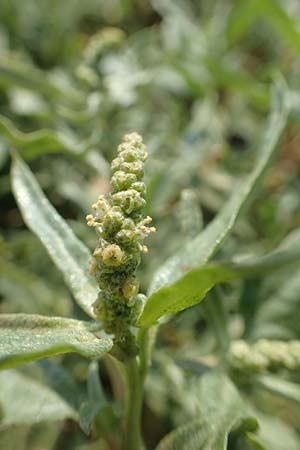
(132, 427)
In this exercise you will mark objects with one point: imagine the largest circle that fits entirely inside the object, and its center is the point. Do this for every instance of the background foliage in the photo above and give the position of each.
(194, 78)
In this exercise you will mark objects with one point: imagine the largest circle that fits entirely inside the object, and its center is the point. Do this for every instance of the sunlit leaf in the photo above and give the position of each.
(202, 248)
(193, 286)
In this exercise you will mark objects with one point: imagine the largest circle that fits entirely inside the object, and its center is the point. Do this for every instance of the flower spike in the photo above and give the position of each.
(121, 225)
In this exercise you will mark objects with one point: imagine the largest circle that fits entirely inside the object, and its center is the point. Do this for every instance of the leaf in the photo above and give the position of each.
(62, 382)
(194, 146)
(27, 337)
(24, 401)
(274, 434)
(193, 287)
(221, 410)
(37, 142)
(199, 250)
(286, 389)
(246, 12)
(96, 399)
(278, 316)
(68, 253)
(14, 72)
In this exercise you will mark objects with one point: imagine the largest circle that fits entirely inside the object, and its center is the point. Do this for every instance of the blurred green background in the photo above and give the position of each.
(194, 78)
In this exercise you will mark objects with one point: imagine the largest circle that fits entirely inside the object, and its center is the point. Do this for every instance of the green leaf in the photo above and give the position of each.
(199, 250)
(221, 410)
(68, 253)
(15, 71)
(24, 401)
(279, 315)
(193, 287)
(37, 142)
(61, 381)
(96, 399)
(274, 434)
(27, 337)
(246, 12)
(277, 386)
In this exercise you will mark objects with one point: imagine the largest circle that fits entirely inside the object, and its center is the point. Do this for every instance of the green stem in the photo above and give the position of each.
(135, 382)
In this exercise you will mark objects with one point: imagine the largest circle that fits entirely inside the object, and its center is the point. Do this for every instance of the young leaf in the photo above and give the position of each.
(201, 249)
(25, 338)
(221, 410)
(25, 401)
(68, 253)
(193, 287)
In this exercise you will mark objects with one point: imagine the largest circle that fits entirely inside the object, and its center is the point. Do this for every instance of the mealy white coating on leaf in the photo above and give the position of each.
(201, 249)
(67, 252)
(27, 337)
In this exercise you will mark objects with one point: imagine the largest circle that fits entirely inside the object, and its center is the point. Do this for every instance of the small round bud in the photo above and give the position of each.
(136, 167)
(121, 181)
(130, 288)
(140, 187)
(112, 255)
(133, 138)
(129, 200)
(112, 221)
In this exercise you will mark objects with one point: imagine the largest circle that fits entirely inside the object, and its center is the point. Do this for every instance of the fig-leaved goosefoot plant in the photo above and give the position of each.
(106, 287)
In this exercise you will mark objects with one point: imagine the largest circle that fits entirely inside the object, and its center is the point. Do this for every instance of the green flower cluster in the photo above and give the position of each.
(121, 226)
(265, 355)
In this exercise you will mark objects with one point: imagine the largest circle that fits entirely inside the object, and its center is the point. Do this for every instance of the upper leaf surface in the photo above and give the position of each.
(221, 409)
(26, 401)
(27, 337)
(68, 253)
(193, 287)
(201, 249)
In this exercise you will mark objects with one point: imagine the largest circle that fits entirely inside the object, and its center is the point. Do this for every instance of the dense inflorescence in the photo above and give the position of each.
(121, 226)
(265, 355)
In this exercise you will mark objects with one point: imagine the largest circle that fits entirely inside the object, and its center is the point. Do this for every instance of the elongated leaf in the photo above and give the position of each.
(25, 401)
(279, 315)
(96, 399)
(193, 287)
(38, 142)
(66, 250)
(221, 410)
(246, 12)
(201, 249)
(27, 337)
(15, 72)
(62, 382)
(274, 434)
(283, 388)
